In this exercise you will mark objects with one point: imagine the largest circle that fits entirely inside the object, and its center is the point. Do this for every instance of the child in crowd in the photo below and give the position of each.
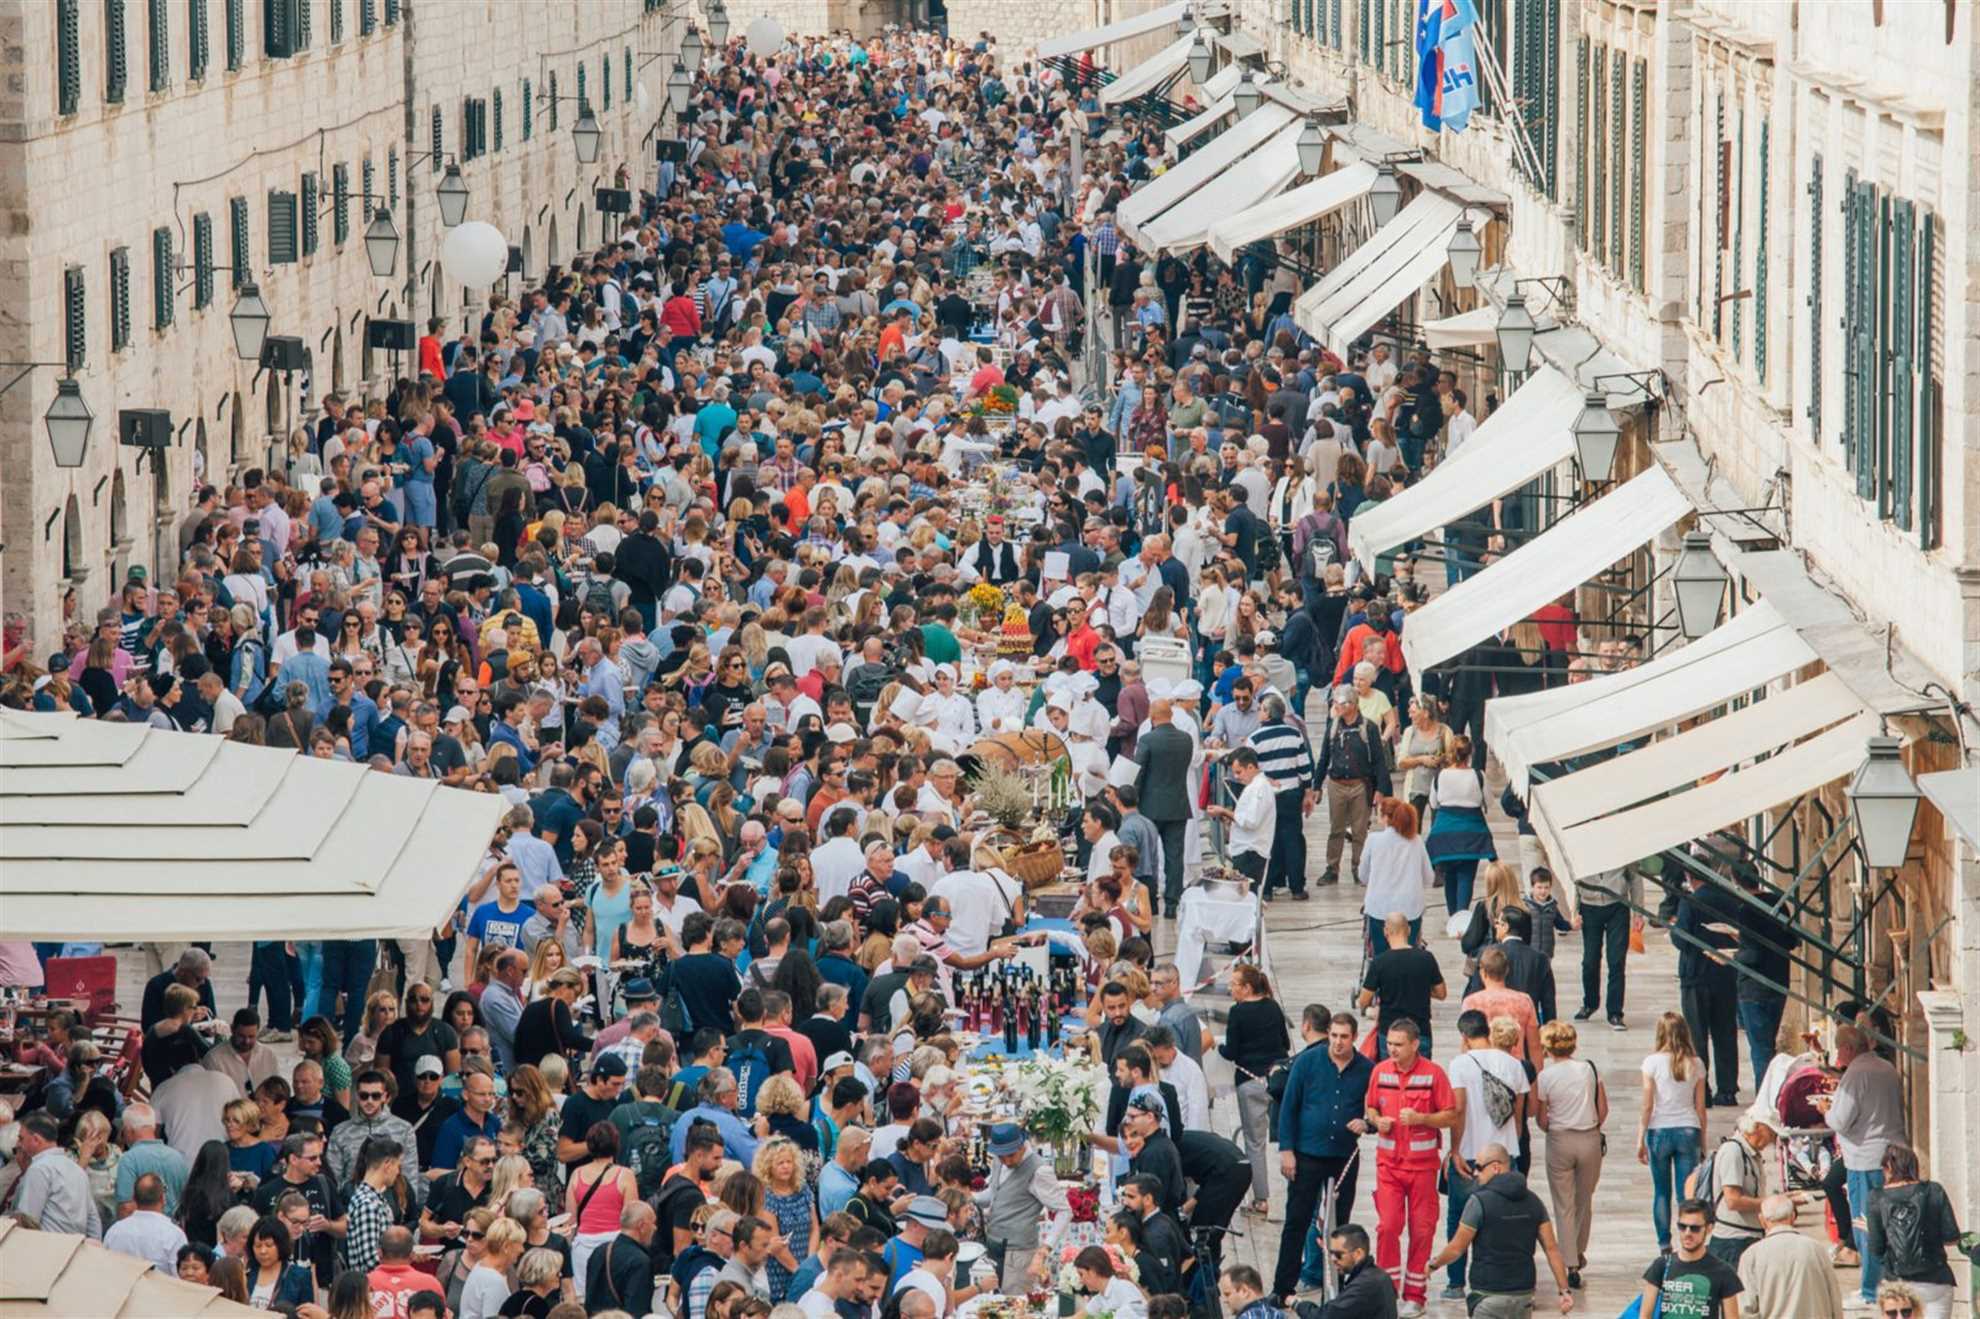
(1547, 915)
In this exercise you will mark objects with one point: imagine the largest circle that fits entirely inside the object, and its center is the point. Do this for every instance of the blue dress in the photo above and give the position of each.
(793, 1215)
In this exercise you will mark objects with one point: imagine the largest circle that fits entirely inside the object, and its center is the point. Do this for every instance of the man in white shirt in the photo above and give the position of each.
(243, 1057)
(1253, 818)
(54, 1190)
(189, 1105)
(1184, 1073)
(839, 1282)
(981, 902)
(1381, 372)
(1491, 1085)
(146, 1233)
(1458, 423)
(226, 706)
(924, 864)
(837, 861)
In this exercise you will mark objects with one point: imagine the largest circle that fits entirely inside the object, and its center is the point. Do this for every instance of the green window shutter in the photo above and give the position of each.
(1583, 138)
(1550, 100)
(367, 17)
(336, 20)
(1863, 342)
(550, 105)
(1599, 177)
(68, 58)
(159, 34)
(1639, 113)
(116, 67)
(340, 195)
(1760, 264)
(304, 23)
(1618, 158)
(237, 234)
(1815, 271)
(1883, 258)
(236, 33)
(391, 12)
(528, 113)
(1903, 356)
(1851, 374)
(629, 76)
(311, 203)
(75, 319)
(161, 279)
(392, 177)
(199, 40)
(604, 82)
(1719, 195)
(1364, 30)
(281, 228)
(1929, 457)
(1381, 38)
(202, 261)
(496, 114)
(370, 189)
(1739, 233)
(1334, 24)
(439, 139)
(120, 299)
(583, 100)
(470, 147)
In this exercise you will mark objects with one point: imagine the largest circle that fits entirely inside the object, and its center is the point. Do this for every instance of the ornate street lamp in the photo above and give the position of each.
(1463, 254)
(1700, 583)
(1595, 437)
(1516, 329)
(249, 320)
(453, 195)
(69, 420)
(1883, 801)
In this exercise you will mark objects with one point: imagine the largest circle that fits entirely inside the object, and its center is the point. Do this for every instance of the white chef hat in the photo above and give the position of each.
(1058, 700)
(907, 704)
(1123, 772)
(1161, 689)
(1083, 684)
(949, 669)
(1189, 689)
(1000, 667)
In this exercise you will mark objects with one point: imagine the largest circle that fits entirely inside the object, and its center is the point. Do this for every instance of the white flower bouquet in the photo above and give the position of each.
(1059, 1099)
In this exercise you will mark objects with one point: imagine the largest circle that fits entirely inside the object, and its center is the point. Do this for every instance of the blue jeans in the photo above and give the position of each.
(347, 967)
(1378, 942)
(310, 954)
(270, 972)
(1860, 1185)
(1458, 876)
(1674, 1152)
(1459, 1190)
(1761, 1020)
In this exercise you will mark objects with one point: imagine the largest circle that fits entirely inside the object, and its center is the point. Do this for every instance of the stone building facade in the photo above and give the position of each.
(145, 147)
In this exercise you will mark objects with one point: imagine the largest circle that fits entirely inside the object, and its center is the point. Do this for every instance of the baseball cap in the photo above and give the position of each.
(836, 1061)
(428, 1065)
(609, 1065)
(458, 715)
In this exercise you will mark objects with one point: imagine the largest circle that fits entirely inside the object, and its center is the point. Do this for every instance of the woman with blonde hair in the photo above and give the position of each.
(380, 1011)
(1671, 1130)
(1571, 1105)
(98, 1156)
(512, 1173)
(1501, 883)
(546, 961)
(487, 1285)
(779, 1168)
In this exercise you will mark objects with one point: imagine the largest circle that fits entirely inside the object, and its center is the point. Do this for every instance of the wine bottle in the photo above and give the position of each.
(1010, 1031)
(1031, 1019)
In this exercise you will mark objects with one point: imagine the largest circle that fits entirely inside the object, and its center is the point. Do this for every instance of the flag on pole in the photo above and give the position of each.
(1446, 63)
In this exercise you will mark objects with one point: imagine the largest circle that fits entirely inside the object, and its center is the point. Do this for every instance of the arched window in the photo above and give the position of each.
(556, 251)
(73, 567)
(120, 518)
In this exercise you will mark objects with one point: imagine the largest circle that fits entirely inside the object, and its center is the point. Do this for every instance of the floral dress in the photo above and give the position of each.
(540, 1148)
(793, 1215)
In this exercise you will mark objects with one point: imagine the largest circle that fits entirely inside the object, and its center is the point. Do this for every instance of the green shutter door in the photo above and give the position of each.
(311, 203)
(68, 60)
(1815, 274)
(1903, 354)
(75, 319)
(1929, 460)
(1852, 369)
(237, 224)
(198, 39)
(1639, 180)
(161, 278)
(202, 260)
(116, 67)
(120, 299)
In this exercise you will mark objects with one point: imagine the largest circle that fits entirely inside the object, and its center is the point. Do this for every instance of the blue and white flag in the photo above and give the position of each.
(1447, 63)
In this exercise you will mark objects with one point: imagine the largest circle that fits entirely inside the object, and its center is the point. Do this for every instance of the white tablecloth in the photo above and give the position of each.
(1202, 919)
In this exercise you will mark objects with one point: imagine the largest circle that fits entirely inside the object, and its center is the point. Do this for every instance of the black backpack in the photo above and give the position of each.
(598, 598)
(648, 1151)
(1904, 1235)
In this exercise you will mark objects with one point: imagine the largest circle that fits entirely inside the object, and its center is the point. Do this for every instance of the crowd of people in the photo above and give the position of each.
(677, 554)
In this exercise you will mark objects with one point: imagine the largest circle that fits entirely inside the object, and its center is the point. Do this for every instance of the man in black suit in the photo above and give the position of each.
(1164, 753)
(619, 1274)
(1526, 970)
(995, 558)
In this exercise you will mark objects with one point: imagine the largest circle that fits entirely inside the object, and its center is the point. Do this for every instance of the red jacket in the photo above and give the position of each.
(393, 1286)
(680, 318)
(1424, 1088)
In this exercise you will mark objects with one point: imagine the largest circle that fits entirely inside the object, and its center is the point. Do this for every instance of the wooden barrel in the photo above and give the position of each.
(1010, 751)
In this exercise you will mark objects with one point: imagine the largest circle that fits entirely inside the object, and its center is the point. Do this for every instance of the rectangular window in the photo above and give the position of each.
(1364, 31)
(120, 299)
(1739, 236)
(367, 17)
(199, 40)
(1900, 351)
(75, 319)
(281, 28)
(68, 58)
(528, 113)
(391, 12)
(159, 34)
(161, 278)
(336, 20)
(237, 234)
(202, 261)
(1722, 184)
(116, 56)
(305, 23)
(236, 33)
(583, 98)
(1639, 178)
(629, 76)
(1850, 316)
(311, 203)
(340, 195)
(604, 82)
(1816, 273)
(496, 114)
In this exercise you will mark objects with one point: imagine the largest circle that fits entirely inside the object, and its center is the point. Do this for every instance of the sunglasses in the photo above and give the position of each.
(473, 1235)
(1898, 1312)
(370, 1094)
(1691, 1227)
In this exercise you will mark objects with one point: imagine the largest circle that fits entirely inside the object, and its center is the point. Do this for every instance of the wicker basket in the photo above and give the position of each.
(1037, 864)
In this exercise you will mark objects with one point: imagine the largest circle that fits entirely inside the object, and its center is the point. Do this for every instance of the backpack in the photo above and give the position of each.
(1705, 1181)
(751, 1064)
(1500, 1098)
(1320, 548)
(597, 598)
(663, 1201)
(538, 476)
(648, 1151)
(1904, 1235)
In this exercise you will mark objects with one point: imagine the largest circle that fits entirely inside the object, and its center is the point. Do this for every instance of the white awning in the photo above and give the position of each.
(63, 1275)
(1467, 329)
(1289, 210)
(1707, 749)
(1609, 841)
(1154, 20)
(1179, 184)
(1956, 792)
(180, 836)
(1532, 432)
(1404, 271)
(1218, 92)
(1751, 649)
(1146, 76)
(1553, 563)
(1252, 180)
(1394, 252)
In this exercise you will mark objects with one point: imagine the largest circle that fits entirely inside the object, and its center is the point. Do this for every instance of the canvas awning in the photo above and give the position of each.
(1396, 259)
(1956, 792)
(1467, 329)
(1754, 647)
(1572, 551)
(1599, 826)
(1218, 92)
(54, 1275)
(1260, 175)
(1531, 433)
(119, 832)
(1302, 205)
(1078, 43)
(1179, 184)
(1146, 76)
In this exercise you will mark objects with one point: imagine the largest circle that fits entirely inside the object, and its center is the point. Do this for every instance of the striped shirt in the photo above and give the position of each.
(1283, 755)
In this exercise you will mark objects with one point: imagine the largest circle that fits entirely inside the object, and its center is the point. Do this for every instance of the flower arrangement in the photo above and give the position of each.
(1001, 401)
(982, 606)
(1085, 1203)
(1059, 1098)
(1123, 1266)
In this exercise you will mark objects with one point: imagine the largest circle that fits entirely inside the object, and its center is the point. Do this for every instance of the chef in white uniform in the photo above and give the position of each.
(1000, 706)
(947, 714)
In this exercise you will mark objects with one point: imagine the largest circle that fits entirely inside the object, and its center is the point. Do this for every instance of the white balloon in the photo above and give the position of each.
(765, 36)
(474, 254)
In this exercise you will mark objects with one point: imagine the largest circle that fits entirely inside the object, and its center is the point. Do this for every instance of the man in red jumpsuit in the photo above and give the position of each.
(1410, 1102)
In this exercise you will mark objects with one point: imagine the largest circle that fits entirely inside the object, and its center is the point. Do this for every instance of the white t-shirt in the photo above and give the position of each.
(805, 650)
(887, 1139)
(817, 1305)
(1567, 1087)
(1467, 1072)
(1119, 1298)
(921, 1280)
(978, 904)
(1671, 1101)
